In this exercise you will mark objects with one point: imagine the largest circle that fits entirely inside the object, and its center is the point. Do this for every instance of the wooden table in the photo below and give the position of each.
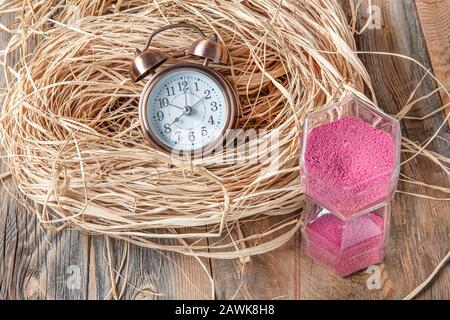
(35, 264)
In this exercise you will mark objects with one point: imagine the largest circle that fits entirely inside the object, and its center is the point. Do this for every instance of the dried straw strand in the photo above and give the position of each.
(70, 129)
(73, 145)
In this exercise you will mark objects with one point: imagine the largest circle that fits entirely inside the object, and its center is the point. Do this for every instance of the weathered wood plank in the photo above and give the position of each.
(167, 275)
(434, 19)
(273, 275)
(420, 228)
(36, 264)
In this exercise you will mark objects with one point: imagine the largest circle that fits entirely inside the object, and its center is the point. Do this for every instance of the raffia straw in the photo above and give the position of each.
(70, 130)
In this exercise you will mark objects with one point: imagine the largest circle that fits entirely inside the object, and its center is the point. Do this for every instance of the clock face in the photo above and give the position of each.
(186, 109)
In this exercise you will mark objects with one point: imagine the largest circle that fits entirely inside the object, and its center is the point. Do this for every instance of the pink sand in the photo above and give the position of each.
(346, 246)
(349, 164)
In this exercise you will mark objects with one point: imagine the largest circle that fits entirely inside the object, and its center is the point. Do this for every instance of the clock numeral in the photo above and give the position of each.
(214, 106)
(167, 128)
(170, 91)
(164, 102)
(191, 136)
(207, 94)
(196, 86)
(211, 120)
(160, 115)
(183, 85)
(204, 131)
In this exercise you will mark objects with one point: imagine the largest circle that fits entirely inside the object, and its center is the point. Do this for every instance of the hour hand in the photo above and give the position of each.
(172, 105)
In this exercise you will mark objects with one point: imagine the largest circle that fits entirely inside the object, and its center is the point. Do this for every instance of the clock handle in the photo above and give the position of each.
(148, 60)
(173, 26)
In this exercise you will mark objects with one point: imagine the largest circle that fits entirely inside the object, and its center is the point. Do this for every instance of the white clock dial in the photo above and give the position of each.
(186, 110)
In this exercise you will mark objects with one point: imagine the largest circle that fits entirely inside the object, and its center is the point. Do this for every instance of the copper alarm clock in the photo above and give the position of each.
(186, 107)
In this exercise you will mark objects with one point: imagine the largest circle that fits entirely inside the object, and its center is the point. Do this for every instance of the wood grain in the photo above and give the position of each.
(420, 228)
(434, 16)
(35, 264)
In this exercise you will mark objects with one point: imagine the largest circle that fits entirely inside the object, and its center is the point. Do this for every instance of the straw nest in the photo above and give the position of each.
(70, 127)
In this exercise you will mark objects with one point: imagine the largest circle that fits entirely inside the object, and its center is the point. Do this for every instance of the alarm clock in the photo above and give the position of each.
(186, 107)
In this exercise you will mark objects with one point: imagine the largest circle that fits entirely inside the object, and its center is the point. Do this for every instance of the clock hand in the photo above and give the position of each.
(174, 120)
(198, 102)
(186, 109)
